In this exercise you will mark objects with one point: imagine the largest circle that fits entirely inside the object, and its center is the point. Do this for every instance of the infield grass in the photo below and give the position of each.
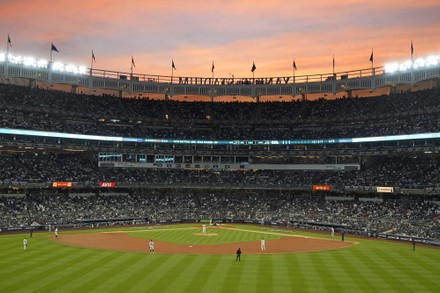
(370, 266)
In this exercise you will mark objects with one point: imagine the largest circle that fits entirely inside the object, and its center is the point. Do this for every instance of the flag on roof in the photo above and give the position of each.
(253, 67)
(53, 48)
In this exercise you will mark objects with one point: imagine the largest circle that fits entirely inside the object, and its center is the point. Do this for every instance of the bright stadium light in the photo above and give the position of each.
(82, 70)
(58, 66)
(429, 61)
(70, 68)
(432, 60)
(15, 59)
(419, 63)
(42, 63)
(405, 65)
(29, 61)
(391, 67)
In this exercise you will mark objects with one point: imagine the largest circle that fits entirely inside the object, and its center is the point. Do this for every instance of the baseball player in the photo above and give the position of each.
(332, 231)
(151, 245)
(238, 255)
(263, 244)
(56, 232)
(24, 243)
(204, 228)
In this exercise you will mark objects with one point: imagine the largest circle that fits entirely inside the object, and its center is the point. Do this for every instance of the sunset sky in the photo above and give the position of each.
(232, 33)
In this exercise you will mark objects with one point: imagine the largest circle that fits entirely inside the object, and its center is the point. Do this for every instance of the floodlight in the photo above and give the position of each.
(70, 68)
(29, 61)
(58, 66)
(42, 63)
(82, 70)
(391, 67)
(420, 62)
(432, 60)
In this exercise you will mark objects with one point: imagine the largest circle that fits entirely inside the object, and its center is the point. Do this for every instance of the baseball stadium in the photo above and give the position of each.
(344, 192)
(119, 181)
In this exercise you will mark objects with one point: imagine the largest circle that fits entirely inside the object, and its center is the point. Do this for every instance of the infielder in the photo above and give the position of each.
(151, 245)
(24, 243)
(56, 232)
(263, 244)
(332, 231)
(204, 228)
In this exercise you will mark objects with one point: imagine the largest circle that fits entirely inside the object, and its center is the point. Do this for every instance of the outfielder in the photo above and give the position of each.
(263, 244)
(204, 228)
(151, 245)
(24, 243)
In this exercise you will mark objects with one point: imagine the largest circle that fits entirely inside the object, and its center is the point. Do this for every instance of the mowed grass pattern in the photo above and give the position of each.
(185, 234)
(370, 266)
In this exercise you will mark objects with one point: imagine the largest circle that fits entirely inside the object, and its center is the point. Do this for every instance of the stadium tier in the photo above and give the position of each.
(365, 165)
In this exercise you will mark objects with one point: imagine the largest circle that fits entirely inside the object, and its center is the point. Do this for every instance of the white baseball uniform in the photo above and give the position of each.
(151, 245)
(263, 245)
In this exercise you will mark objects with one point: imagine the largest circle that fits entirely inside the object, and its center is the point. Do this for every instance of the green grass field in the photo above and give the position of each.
(370, 266)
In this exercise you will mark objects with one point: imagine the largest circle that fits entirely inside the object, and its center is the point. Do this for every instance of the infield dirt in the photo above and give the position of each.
(123, 242)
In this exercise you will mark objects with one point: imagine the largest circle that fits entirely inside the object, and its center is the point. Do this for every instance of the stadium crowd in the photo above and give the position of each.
(415, 217)
(38, 109)
(48, 110)
(405, 172)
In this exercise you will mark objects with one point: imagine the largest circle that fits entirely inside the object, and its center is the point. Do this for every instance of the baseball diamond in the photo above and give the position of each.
(123, 241)
(254, 174)
(117, 260)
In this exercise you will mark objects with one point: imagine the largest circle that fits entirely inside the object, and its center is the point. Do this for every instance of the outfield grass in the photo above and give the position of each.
(370, 266)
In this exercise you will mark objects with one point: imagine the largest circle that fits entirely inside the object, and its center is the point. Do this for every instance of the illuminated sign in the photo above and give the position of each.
(321, 187)
(56, 184)
(384, 189)
(107, 184)
(430, 135)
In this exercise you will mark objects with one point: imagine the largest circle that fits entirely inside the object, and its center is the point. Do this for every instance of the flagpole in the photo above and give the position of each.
(7, 47)
(333, 65)
(172, 70)
(253, 72)
(294, 70)
(91, 64)
(412, 50)
(51, 46)
(213, 68)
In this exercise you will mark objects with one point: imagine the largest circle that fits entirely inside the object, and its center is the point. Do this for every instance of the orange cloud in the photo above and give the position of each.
(233, 33)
